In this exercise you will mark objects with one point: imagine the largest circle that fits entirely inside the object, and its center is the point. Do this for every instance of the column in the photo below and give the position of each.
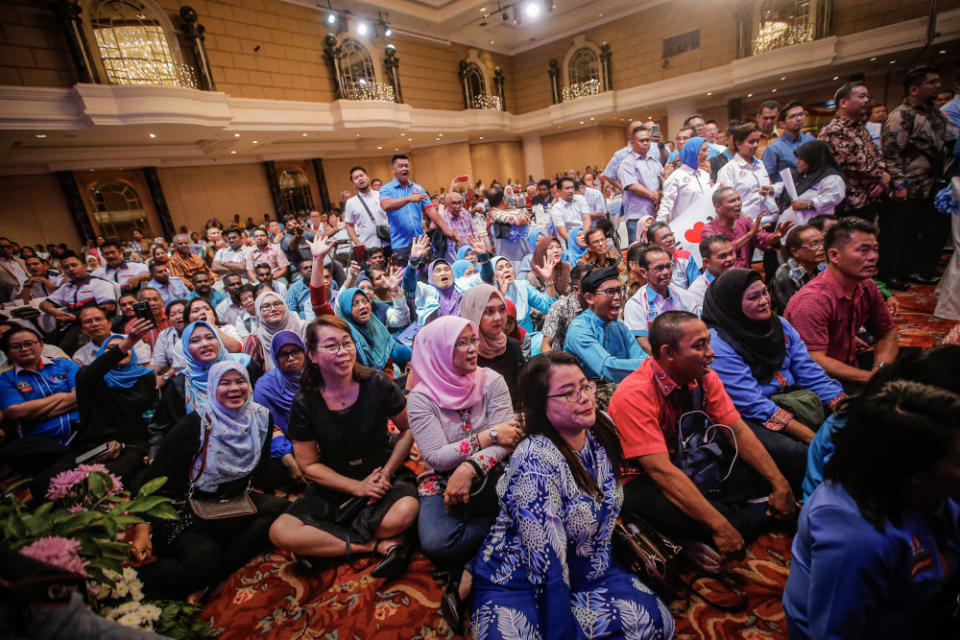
(159, 202)
(533, 157)
(677, 112)
(274, 185)
(68, 13)
(68, 185)
(321, 183)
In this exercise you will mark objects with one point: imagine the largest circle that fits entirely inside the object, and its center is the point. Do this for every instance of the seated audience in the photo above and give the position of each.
(211, 455)
(273, 316)
(550, 251)
(647, 409)
(95, 325)
(805, 259)
(741, 230)
(228, 310)
(689, 184)
(563, 311)
(128, 275)
(539, 568)
(685, 269)
(265, 280)
(779, 391)
(509, 227)
(184, 263)
(463, 423)
(575, 248)
(486, 307)
(829, 311)
(79, 290)
(659, 295)
(199, 309)
(361, 496)
(603, 345)
(718, 257)
(168, 351)
(376, 346)
(125, 312)
(298, 293)
(275, 390)
(247, 321)
(42, 281)
(203, 288)
(37, 394)
(600, 256)
(170, 287)
(879, 539)
(442, 293)
(819, 182)
(522, 293)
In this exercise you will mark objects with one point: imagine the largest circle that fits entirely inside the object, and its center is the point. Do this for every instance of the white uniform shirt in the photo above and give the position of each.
(681, 189)
(746, 178)
(88, 353)
(122, 275)
(646, 304)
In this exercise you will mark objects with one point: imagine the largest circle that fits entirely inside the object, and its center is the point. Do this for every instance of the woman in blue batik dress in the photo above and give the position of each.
(545, 569)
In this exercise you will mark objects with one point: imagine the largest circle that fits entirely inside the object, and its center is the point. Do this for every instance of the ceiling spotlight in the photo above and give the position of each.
(836, 77)
(481, 137)
(531, 9)
(773, 90)
(379, 148)
(591, 119)
(483, 9)
(305, 135)
(437, 139)
(396, 148)
(358, 135)
(41, 135)
(492, 42)
(749, 95)
(236, 135)
(581, 122)
(893, 62)
(331, 18)
(362, 28)
(873, 59)
(152, 135)
(942, 51)
(256, 142)
(709, 93)
(782, 78)
(440, 134)
(233, 153)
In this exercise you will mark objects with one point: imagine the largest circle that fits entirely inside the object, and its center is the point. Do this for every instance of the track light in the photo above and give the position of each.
(362, 28)
(331, 18)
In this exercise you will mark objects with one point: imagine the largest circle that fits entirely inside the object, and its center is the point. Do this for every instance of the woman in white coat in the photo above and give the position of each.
(748, 176)
(689, 184)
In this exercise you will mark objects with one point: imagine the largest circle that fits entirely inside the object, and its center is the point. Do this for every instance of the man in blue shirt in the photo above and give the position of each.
(405, 203)
(603, 344)
(38, 394)
(780, 154)
(657, 151)
(203, 288)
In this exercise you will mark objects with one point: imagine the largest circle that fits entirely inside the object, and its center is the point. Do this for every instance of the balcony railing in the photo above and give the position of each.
(150, 72)
(487, 101)
(580, 89)
(370, 91)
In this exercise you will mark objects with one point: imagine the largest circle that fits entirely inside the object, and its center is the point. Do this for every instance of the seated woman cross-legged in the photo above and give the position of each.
(210, 456)
(777, 388)
(362, 497)
(462, 419)
(545, 570)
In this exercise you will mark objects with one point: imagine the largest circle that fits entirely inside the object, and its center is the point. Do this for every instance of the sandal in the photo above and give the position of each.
(450, 604)
(395, 561)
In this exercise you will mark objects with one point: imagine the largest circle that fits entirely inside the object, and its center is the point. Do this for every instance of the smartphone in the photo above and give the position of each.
(143, 311)
(360, 253)
(655, 129)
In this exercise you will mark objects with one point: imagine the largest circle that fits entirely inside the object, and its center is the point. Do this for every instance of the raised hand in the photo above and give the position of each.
(544, 270)
(353, 274)
(392, 281)
(476, 243)
(320, 246)
(139, 328)
(419, 247)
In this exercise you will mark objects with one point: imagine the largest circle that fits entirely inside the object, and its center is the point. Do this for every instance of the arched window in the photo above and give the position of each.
(783, 23)
(295, 191)
(356, 67)
(117, 208)
(134, 45)
(584, 66)
(475, 85)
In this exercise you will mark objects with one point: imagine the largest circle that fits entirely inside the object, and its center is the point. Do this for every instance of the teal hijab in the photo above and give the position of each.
(374, 342)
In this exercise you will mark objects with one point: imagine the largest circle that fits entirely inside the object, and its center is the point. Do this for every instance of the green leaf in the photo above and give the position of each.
(151, 487)
(127, 521)
(79, 521)
(98, 483)
(146, 504)
(110, 526)
(43, 509)
(163, 512)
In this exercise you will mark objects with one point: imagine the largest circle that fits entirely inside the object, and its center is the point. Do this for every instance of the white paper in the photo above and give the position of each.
(788, 184)
(685, 225)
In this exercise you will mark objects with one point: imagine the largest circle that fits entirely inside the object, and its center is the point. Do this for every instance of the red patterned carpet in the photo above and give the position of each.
(268, 599)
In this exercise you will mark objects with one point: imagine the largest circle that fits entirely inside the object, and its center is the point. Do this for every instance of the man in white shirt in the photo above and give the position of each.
(719, 256)
(657, 296)
(42, 282)
(229, 309)
(362, 221)
(595, 201)
(12, 272)
(233, 257)
(570, 210)
(640, 177)
(95, 325)
(129, 275)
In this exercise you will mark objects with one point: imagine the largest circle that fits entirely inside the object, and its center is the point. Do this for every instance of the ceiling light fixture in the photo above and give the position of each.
(41, 135)
(396, 149)
(873, 59)
(236, 135)
(331, 18)
(256, 142)
(782, 78)
(836, 77)
(387, 32)
(152, 135)
(233, 153)
(362, 28)
(709, 93)
(942, 51)
(531, 9)
(481, 137)
(305, 135)
(378, 148)
(749, 95)
(893, 62)
(773, 90)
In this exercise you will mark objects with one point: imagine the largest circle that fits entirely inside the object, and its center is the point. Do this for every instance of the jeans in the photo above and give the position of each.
(632, 231)
(789, 454)
(448, 538)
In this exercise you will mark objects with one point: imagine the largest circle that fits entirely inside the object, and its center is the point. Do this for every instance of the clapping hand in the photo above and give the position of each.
(419, 247)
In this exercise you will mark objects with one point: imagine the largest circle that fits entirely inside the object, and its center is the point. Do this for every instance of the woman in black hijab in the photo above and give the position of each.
(766, 369)
(819, 181)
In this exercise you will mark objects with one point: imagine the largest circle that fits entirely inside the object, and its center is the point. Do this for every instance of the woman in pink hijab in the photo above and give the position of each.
(463, 423)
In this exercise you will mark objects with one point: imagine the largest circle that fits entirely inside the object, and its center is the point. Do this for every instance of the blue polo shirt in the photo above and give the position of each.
(53, 376)
(406, 223)
(781, 153)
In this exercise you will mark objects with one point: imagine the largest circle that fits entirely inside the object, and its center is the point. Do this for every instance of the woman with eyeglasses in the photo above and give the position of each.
(273, 316)
(804, 259)
(462, 420)
(781, 393)
(546, 567)
(361, 499)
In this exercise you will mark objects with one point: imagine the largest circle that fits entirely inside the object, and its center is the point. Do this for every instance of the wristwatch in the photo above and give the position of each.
(493, 435)
(880, 365)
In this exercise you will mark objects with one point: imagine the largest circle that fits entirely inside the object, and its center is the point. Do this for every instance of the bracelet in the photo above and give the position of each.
(548, 284)
(477, 470)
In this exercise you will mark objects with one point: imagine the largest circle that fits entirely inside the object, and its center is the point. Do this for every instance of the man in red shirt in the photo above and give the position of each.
(829, 310)
(744, 233)
(646, 408)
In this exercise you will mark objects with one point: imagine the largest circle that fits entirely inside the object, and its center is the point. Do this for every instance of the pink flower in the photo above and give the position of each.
(60, 552)
(63, 482)
(464, 447)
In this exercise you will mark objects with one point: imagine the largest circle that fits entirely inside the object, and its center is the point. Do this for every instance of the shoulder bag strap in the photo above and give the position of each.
(202, 455)
(363, 202)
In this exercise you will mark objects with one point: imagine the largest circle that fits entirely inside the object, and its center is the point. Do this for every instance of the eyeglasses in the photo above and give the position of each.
(588, 388)
(23, 346)
(467, 343)
(611, 291)
(334, 348)
(289, 355)
(272, 305)
(816, 244)
(661, 268)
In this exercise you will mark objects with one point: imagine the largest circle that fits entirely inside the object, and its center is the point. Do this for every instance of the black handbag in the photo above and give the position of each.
(213, 508)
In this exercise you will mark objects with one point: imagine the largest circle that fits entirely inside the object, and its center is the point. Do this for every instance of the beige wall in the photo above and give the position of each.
(575, 149)
(33, 50)
(34, 210)
(337, 173)
(196, 194)
(498, 161)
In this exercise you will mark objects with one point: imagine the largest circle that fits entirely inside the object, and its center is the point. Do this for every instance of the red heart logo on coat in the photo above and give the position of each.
(692, 235)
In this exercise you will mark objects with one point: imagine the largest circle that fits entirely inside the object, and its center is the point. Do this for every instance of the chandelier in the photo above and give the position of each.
(580, 89)
(371, 91)
(487, 101)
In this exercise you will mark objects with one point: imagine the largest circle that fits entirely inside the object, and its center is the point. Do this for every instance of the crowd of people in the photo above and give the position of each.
(540, 369)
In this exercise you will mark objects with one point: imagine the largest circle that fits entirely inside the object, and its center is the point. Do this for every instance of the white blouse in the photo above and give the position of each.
(681, 189)
(746, 178)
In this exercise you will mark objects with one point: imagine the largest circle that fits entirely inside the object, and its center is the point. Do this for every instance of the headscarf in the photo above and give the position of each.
(516, 291)
(265, 332)
(276, 389)
(535, 238)
(236, 437)
(690, 151)
(463, 251)
(574, 251)
(432, 361)
(123, 376)
(449, 298)
(460, 267)
(518, 332)
(475, 300)
(374, 342)
(817, 154)
(561, 271)
(197, 372)
(760, 344)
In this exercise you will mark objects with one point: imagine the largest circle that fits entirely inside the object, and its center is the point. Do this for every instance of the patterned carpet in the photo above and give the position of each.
(268, 599)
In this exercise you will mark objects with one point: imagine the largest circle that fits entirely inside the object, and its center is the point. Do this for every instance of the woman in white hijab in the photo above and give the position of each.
(273, 316)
